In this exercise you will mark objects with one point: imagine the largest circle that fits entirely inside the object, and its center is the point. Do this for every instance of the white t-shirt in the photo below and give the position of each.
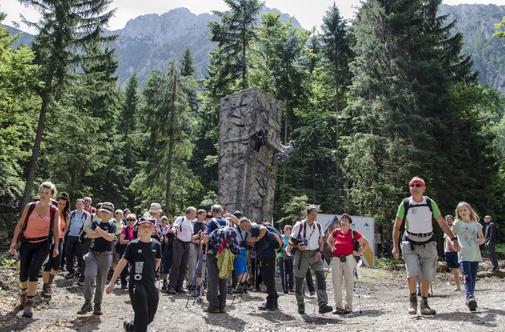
(309, 232)
(185, 232)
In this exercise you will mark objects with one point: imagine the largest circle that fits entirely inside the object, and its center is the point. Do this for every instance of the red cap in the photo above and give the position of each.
(417, 180)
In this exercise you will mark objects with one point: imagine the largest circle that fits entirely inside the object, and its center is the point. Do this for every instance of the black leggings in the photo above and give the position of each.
(31, 258)
(54, 262)
(144, 299)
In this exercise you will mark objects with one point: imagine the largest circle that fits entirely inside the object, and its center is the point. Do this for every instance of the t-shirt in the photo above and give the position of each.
(127, 232)
(285, 243)
(419, 219)
(119, 226)
(467, 233)
(62, 225)
(264, 247)
(77, 219)
(197, 227)
(344, 242)
(141, 257)
(100, 244)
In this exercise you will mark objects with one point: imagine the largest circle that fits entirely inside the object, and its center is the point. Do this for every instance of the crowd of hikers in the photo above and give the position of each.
(214, 252)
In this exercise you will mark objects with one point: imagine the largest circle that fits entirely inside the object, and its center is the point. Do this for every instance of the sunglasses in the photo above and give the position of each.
(417, 185)
(130, 219)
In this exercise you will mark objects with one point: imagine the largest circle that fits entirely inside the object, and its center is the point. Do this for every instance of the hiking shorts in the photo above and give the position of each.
(420, 260)
(240, 263)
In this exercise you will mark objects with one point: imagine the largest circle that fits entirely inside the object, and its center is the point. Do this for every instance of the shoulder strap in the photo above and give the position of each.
(72, 215)
(406, 206)
(428, 202)
(31, 207)
(52, 214)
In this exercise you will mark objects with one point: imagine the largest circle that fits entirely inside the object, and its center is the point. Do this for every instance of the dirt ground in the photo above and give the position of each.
(380, 306)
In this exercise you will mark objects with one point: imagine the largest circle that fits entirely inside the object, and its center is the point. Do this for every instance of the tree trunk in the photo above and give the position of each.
(171, 141)
(32, 168)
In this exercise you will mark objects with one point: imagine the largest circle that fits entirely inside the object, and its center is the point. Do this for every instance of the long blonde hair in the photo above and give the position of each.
(473, 215)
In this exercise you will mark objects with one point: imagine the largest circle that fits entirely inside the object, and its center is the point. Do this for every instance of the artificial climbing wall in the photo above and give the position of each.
(247, 178)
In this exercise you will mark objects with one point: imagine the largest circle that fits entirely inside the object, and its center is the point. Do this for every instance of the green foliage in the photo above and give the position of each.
(294, 209)
(18, 103)
(500, 25)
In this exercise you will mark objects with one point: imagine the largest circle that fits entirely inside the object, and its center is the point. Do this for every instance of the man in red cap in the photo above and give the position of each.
(418, 245)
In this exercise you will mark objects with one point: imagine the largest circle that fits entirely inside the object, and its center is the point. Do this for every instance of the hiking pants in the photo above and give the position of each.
(97, 268)
(343, 273)
(302, 262)
(73, 248)
(144, 299)
(53, 262)
(492, 255)
(180, 262)
(287, 277)
(470, 273)
(31, 258)
(268, 273)
(194, 251)
(310, 281)
(216, 287)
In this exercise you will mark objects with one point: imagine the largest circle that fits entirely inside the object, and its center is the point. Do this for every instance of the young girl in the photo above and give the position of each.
(470, 237)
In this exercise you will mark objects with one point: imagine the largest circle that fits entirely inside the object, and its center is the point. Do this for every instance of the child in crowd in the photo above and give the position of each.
(144, 257)
(470, 237)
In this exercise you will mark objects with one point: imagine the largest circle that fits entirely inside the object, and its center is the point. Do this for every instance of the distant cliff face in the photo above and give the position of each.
(476, 23)
(149, 41)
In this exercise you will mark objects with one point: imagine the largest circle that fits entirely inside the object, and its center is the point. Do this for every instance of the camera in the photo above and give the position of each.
(290, 250)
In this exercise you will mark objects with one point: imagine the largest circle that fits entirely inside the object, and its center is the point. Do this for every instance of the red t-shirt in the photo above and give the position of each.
(343, 242)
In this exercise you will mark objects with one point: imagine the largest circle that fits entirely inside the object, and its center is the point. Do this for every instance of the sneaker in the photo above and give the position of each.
(472, 304)
(212, 310)
(301, 308)
(97, 310)
(69, 275)
(80, 282)
(128, 326)
(425, 309)
(86, 307)
(325, 308)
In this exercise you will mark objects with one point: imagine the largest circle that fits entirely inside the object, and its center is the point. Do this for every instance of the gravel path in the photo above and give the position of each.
(383, 307)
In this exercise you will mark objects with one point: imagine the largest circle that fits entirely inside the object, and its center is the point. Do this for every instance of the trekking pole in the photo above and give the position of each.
(193, 282)
(356, 273)
(202, 276)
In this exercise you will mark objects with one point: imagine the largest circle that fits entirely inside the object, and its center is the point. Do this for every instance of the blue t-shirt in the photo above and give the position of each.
(77, 219)
(213, 224)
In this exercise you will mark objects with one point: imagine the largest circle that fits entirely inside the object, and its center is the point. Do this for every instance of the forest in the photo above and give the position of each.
(369, 103)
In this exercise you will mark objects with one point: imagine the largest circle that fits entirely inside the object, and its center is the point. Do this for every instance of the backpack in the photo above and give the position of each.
(304, 229)
(31, 208)
(223, 237)
(277, 235)
(82, 233)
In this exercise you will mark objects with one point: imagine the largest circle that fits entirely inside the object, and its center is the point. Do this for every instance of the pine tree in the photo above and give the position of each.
(234, 34)
(65, 28)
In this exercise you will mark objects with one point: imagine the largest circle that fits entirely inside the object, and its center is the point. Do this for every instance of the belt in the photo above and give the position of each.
(421, 234)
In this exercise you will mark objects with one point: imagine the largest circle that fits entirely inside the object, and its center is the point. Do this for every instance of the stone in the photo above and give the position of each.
(249, 139)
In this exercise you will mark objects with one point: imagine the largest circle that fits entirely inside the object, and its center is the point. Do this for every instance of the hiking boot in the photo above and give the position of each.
(22, 300)
(266, 306)
(222, 310)
(69, 275)
(28, 307)
(46, 291)
(301, 308)
(425, 308)
(164, 287)
(97, 310)
(171, 290)
(325, 308)
(212, 310)
(128, 326)
(472, 304)
(86, 307)
(413, 304)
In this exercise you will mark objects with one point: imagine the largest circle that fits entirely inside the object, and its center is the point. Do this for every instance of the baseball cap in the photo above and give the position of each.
(146, 219)
(417, 180)
(312, 208)
(107, 207)
(238, 214)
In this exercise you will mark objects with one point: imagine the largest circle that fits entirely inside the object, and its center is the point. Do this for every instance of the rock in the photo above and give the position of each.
(249, 138)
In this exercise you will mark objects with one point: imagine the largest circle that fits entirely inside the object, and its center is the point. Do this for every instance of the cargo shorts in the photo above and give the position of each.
(420, 260)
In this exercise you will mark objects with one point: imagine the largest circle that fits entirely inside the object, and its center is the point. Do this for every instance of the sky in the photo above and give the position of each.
(308, 13)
